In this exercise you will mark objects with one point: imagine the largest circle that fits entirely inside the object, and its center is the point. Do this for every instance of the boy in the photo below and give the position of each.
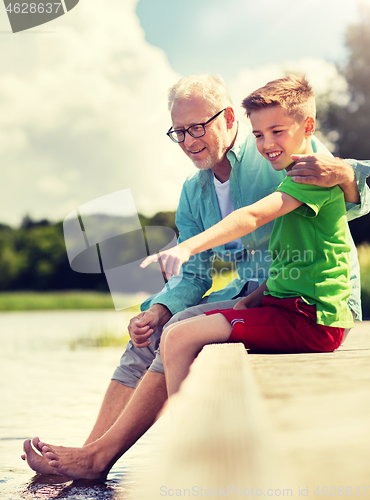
(302, 306)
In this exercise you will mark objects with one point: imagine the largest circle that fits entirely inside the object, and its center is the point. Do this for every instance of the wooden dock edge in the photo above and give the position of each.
(220, 439)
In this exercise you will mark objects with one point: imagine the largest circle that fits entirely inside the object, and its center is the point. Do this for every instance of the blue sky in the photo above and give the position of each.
(83, 98)
(223, 36)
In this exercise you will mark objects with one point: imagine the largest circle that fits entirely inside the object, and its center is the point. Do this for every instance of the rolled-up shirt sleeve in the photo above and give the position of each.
(362, 172)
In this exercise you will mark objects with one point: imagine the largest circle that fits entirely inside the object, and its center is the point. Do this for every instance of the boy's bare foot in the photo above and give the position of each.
(36, 461)
(76, 463)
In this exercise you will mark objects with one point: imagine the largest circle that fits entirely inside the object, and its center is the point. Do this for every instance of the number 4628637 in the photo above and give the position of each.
(32, 8)
(340, 491)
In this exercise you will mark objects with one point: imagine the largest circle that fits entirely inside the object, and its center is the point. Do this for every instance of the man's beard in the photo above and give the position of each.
(205, 164)
(213, 158)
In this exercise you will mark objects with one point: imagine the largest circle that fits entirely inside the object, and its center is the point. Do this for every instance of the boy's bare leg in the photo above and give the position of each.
(94, 460)
(114, 402)
(181, 343)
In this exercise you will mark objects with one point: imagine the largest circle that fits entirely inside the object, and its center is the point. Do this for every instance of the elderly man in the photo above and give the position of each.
(230, 174)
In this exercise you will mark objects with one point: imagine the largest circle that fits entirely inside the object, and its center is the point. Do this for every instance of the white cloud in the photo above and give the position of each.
(84, 114)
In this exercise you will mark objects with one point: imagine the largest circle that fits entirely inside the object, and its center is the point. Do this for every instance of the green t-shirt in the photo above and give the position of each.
(310, 253)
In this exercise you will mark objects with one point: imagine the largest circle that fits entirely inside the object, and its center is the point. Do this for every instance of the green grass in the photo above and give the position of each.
(46, 301)
(364, 259)
(105, 338)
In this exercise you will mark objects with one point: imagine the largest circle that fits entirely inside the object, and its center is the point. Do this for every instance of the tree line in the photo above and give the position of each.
(347, 121)
(34, 257)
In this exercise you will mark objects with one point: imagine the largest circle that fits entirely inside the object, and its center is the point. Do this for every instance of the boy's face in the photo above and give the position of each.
(278, 135)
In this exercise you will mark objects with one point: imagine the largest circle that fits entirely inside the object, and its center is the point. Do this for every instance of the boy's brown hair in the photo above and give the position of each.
(293, 93)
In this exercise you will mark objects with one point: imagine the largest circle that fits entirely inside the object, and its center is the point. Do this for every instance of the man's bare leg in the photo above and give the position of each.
(94, 460)
(114, 402)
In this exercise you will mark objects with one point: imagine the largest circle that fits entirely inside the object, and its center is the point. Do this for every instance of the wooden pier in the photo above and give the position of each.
(245, 425)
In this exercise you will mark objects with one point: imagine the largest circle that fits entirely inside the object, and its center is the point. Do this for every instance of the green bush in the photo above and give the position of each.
(364, 258)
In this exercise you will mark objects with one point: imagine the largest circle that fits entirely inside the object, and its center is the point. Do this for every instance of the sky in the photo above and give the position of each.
(83, 98)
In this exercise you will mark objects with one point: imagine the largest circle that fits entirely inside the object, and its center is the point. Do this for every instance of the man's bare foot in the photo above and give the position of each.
(76, 463)
(36, 461)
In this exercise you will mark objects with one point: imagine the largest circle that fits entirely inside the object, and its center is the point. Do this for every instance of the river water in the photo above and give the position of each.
(52, 389)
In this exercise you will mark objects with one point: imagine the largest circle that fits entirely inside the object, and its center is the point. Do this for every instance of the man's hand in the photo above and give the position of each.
(143, 325)
(326, 171)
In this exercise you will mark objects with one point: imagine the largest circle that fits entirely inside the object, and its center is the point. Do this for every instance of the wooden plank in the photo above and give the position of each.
(294, 426)
(320, 413)
(219, 439)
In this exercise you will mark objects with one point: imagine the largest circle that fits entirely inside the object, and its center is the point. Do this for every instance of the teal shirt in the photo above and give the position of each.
(310, 251)
(251, 179)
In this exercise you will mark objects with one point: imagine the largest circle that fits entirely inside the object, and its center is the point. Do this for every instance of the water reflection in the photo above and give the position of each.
(48, 487)
(51, 391)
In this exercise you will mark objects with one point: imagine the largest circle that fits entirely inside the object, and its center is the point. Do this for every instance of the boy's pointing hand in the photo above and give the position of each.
(170, 261)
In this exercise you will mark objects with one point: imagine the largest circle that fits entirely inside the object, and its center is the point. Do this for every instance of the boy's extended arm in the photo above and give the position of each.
(186, 290)
(237, 224)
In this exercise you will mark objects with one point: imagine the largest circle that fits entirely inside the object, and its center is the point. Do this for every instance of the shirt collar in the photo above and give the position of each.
(204, 176)
(240, 142)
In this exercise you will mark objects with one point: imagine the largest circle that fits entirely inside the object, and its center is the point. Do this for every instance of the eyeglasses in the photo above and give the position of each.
(195, 131)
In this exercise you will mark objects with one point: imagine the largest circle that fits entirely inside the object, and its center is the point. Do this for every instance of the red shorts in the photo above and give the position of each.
(281, 326)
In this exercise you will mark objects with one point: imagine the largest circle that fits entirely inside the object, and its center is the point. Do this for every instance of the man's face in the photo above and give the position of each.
(278, 136)
(209, 150)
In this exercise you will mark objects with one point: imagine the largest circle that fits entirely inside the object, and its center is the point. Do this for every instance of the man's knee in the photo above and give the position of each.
(135, 361)
(157, 365)
(126, 377)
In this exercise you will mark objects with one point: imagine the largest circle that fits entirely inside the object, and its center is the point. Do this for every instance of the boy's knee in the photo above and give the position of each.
(170, 342)
(165, 334)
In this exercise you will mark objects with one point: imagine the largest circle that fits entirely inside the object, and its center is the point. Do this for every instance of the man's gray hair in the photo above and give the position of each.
(211, 87)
